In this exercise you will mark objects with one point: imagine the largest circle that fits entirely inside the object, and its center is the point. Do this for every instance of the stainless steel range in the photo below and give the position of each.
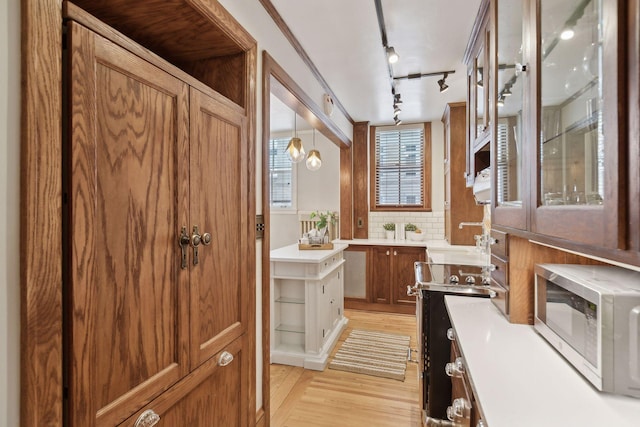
(433, 282)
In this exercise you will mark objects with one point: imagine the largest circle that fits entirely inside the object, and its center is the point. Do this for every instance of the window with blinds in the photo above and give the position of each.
(280, 174)
(399, 175)
(502, 159)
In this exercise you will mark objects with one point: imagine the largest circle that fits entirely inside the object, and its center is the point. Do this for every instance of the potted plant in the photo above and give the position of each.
(324, 219)
(410, 229)
(389, 230)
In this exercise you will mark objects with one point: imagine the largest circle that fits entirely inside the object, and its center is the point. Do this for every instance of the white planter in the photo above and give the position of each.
(390, 234)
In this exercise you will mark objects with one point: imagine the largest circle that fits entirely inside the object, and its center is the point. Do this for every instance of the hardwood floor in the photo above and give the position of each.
(305, 398)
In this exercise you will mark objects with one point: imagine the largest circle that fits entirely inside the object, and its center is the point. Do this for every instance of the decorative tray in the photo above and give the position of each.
(315, 246)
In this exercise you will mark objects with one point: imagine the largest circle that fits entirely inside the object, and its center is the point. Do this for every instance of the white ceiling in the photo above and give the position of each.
(343, 40)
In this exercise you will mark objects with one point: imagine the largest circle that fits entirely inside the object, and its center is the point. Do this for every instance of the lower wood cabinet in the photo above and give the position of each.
(376, 277)
(211, 395)
(465, 409)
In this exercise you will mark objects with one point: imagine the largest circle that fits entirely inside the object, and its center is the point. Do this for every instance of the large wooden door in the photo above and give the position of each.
(219, 206)
(126, 186)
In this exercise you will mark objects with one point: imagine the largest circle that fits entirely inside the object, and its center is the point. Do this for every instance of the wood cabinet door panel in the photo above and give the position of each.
(403, 272)
(219, 203)
(380, 275)
(212, 395)
(126, 189)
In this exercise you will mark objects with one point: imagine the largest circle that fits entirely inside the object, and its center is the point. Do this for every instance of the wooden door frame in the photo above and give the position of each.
(41, 198)
(292, 95)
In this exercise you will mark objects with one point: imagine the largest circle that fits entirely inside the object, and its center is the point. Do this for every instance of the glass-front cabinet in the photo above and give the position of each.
(511, 113)
(559, 138)
(479, 83)
(578, 121)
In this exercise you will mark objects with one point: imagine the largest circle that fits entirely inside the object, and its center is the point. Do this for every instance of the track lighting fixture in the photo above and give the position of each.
(396, 110)
(396, 99)
(398, 121)
(442, 84)
(295, 150)
(314, 161)
(507, 90)
(500, 102)
(392, 56)
(567, 34)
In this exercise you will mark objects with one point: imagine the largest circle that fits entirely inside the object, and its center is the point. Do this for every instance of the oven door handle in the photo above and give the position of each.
(412, 291)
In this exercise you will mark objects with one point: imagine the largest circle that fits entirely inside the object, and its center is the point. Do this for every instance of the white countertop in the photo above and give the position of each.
(291, 253)
(520, 380)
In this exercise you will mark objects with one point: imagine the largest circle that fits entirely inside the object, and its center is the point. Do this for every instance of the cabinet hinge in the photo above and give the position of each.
(260, 227)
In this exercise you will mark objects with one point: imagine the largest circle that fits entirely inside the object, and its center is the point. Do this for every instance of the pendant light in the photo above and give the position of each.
(314, 162)
(295, 150)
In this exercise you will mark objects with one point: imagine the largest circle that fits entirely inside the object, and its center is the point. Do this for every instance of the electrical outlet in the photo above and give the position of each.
(360, 222)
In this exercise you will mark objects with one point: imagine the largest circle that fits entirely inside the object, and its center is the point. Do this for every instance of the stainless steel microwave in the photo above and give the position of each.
(591, 315)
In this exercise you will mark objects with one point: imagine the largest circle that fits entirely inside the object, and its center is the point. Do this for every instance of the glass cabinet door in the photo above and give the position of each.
(507, 148)
(578, 124)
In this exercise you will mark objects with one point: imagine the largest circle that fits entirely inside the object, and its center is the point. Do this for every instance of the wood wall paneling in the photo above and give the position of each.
(360, 180)
(346, 194)
(41, 214)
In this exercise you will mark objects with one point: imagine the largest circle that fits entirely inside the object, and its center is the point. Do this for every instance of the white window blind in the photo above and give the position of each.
(399, 163)
(502, 158)
(280, 174)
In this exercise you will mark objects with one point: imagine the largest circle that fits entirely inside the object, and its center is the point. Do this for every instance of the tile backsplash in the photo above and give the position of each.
(431, 223)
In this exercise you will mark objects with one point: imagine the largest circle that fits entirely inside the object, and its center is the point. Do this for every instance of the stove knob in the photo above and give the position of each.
(451, 335)
(481, 424)
(454, 279)
(459, 365)
(470, 280)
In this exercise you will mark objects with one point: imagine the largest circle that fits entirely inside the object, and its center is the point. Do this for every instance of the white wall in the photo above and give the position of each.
(9, 212)
(252, 16)
(315, 190)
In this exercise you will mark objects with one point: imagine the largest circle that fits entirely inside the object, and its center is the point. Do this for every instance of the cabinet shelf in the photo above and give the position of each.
(297, 329)
(290, 300)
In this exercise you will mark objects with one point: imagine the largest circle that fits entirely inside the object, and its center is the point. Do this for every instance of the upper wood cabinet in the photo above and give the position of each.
(479, 81)
(152, 166)
(579, 81)
(459, 204)
(509, 170)
(557, 81)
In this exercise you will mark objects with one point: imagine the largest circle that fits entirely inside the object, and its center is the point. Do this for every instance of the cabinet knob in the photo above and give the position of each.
(206, 239)
(387, 253)
(450, 334)
(225, 358)
(147, 419)
(395, 253)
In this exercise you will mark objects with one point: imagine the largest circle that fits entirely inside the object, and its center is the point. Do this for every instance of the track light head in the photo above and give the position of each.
(397, 121)
(396, 110)
(442, 84)
(507, 90)
(392, 56)
(396, 99)
(500, 102)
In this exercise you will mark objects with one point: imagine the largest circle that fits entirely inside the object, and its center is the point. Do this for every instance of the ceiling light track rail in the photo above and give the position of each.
(420, 75)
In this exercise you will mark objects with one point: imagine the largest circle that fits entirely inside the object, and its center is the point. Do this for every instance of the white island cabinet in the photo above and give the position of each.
(307, 305)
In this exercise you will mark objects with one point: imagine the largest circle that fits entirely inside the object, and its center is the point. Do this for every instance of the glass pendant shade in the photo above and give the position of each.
(295, 150)
(314, 162)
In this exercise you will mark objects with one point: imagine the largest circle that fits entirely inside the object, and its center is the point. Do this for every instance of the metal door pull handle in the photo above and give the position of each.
(225, 358)
(147, 419)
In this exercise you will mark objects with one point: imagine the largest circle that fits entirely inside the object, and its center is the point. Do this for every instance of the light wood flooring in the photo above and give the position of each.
(306, 398)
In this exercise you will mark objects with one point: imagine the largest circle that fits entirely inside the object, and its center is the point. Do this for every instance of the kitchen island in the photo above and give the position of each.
(307, 304)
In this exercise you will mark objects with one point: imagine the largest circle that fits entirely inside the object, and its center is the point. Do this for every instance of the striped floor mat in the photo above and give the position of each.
(373, 353)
